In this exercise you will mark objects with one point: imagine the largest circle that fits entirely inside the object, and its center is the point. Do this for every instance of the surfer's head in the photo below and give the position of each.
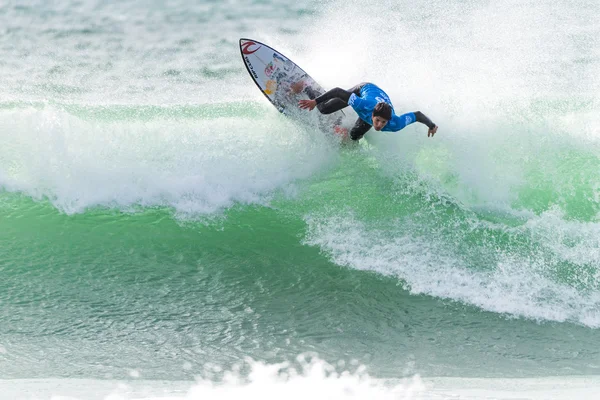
(382, 113)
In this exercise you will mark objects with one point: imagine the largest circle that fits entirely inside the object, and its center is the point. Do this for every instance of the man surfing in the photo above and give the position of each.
(373, 106)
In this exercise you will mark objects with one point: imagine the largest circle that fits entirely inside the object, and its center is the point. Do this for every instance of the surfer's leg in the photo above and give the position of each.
(334, 93)
(359, 129)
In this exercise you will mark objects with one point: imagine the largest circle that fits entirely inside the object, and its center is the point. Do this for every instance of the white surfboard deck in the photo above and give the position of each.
(284, 83)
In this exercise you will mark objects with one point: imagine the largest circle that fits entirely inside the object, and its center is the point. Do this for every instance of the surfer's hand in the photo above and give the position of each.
(307, 104)
(432, 131)
(297, 87)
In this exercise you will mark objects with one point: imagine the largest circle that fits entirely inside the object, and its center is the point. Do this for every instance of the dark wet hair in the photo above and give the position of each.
(383, 110)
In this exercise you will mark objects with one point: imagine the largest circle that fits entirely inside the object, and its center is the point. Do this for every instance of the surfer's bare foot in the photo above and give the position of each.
(307, 104)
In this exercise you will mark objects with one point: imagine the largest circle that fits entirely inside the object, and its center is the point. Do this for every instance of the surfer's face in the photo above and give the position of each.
(379, 123)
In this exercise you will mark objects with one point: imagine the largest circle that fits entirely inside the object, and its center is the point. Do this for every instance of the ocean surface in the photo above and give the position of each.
(166, 233)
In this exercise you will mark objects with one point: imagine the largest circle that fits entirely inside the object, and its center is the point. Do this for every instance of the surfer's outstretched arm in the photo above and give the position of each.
(307, 104)
(332, 100)
(338, 98)
(335, 93)
(422, 118)
(401, 121)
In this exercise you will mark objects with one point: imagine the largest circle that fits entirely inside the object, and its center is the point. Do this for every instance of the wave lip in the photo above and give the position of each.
(197, 166)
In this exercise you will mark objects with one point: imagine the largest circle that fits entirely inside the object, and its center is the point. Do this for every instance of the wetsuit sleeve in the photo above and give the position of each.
(401, 121)
(422, 118)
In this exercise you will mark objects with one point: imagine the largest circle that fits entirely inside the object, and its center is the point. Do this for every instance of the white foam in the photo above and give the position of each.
(512, 98)
(547, 388)
(195, 166)
(306, 379)
(515, 284)
(315, 380)
(573, 241)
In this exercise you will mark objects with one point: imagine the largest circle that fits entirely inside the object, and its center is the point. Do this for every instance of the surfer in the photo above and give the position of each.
(373, 106)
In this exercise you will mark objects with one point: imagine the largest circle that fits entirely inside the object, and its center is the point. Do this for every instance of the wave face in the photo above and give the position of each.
(156, 212)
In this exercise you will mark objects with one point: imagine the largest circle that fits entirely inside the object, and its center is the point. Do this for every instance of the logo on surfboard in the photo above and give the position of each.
(246, 48)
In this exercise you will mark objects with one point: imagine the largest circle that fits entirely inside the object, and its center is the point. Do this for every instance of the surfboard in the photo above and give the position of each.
(284, 83)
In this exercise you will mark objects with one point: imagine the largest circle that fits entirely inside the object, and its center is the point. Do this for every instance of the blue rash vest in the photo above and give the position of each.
(370, 95)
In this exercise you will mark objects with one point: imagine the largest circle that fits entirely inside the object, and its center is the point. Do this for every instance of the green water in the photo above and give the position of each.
(157, 214)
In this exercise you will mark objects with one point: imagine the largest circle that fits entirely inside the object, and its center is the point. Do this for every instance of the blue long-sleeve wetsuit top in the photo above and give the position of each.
(370, 95)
